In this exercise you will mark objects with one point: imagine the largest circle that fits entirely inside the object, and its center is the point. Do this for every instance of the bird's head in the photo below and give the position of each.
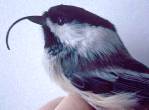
(75, 28)
(79, 29)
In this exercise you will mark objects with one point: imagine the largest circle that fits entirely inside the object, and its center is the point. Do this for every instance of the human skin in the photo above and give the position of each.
(71, 102)
(51, 105)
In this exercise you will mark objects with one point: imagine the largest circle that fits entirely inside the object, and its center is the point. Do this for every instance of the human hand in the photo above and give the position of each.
(71, 102)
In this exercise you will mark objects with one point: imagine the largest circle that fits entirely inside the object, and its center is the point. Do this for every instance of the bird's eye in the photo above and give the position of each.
(60, 21)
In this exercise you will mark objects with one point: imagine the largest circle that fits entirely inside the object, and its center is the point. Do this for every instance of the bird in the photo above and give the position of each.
(86, 55)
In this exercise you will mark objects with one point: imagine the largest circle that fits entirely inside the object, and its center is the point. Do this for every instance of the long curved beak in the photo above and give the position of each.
(35, 19)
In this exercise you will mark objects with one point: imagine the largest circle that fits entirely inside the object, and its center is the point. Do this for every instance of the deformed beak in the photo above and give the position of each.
(41, 20)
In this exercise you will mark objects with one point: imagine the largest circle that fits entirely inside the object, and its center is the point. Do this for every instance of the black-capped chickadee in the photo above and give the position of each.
(86, 56)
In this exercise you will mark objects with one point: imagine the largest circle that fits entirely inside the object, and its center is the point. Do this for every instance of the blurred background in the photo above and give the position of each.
(24, 83)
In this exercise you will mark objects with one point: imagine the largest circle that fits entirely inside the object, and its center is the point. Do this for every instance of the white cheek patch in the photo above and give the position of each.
(85, 37)
(69, 34)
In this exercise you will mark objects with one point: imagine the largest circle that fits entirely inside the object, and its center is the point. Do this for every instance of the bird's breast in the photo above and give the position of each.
(57, 75)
